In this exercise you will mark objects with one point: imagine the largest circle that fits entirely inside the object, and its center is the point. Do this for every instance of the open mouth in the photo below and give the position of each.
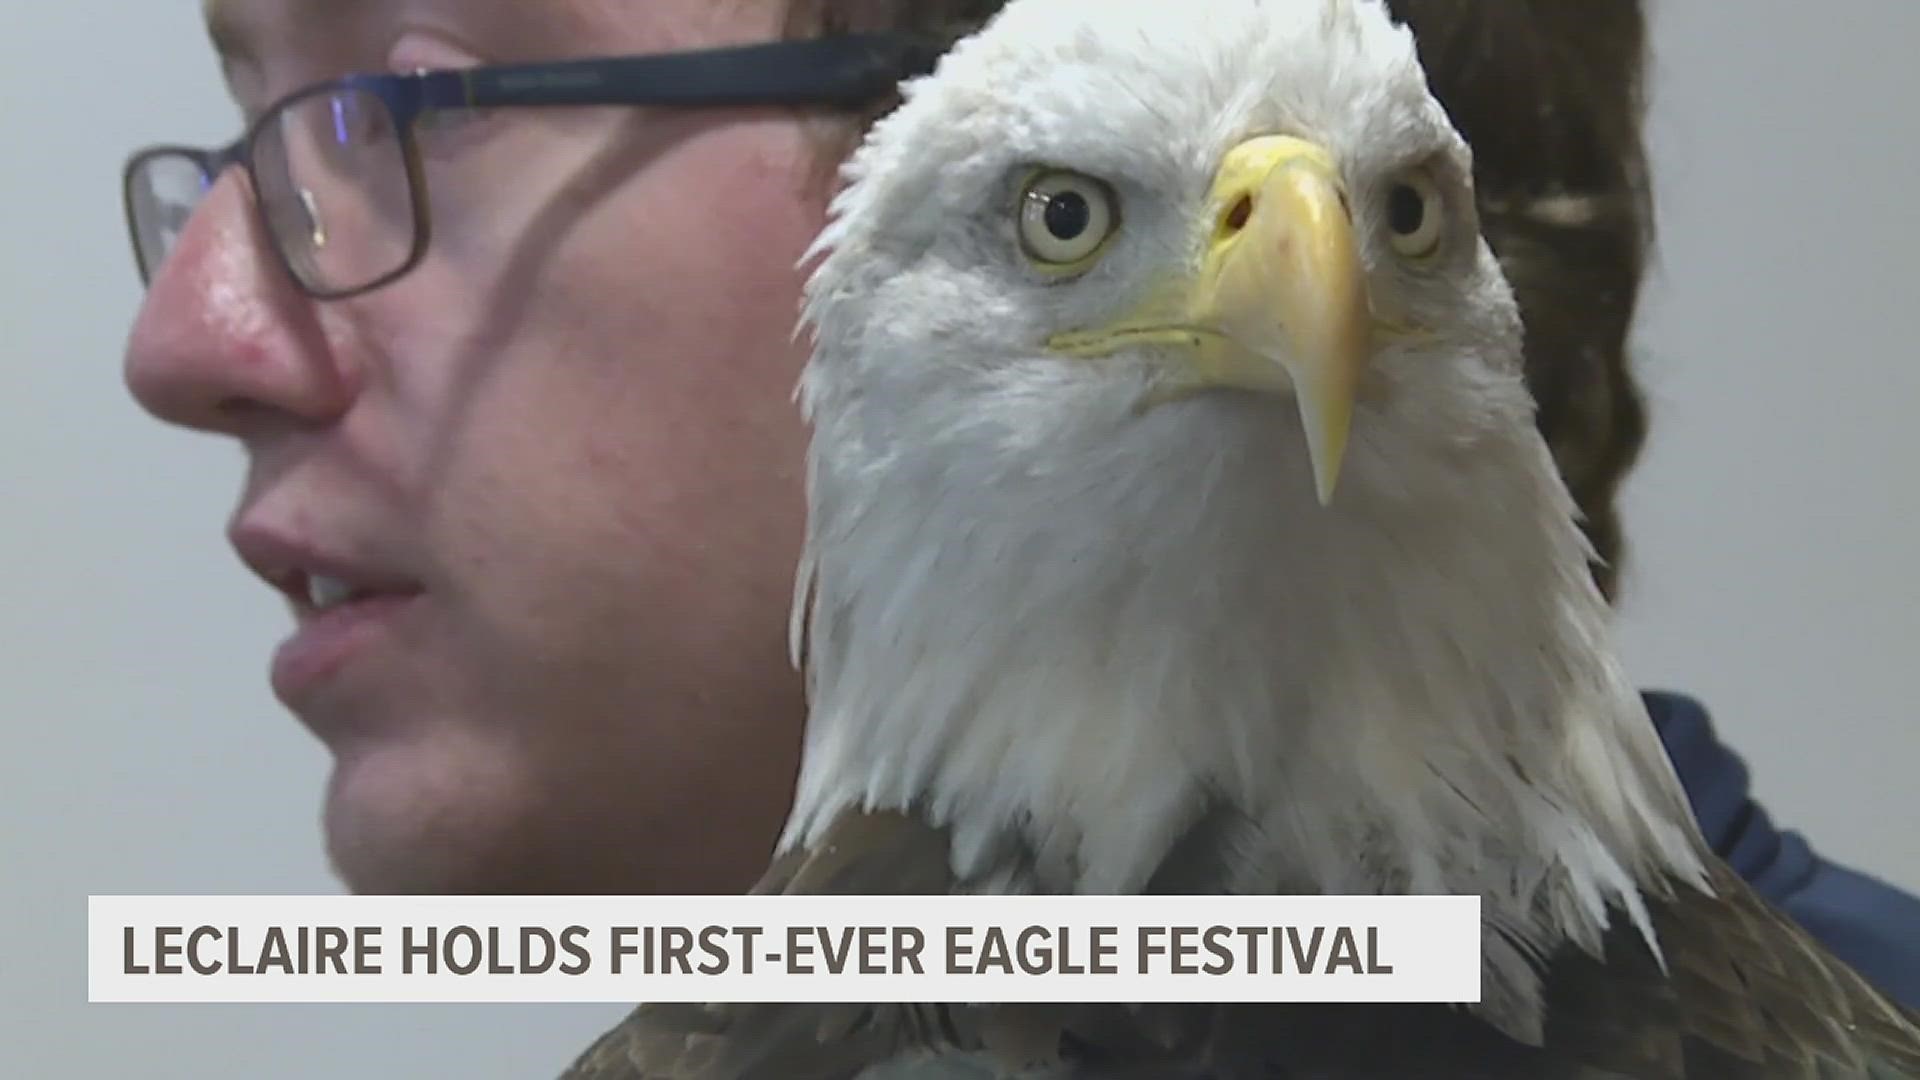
(337, 620)
(317, 594)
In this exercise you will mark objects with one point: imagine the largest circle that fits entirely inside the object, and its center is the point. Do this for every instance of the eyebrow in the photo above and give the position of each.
(235, 36)
(222, 28)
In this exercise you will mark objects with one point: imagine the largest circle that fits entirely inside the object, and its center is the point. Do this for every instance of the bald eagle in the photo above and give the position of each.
(1178, 523)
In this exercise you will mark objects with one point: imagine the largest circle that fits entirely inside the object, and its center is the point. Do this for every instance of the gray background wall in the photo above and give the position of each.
(1775, 519)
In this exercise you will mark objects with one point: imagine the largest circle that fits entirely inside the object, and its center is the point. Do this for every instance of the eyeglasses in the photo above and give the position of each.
(335, 167)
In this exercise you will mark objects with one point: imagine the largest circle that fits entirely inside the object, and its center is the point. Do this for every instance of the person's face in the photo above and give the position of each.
(561, 456)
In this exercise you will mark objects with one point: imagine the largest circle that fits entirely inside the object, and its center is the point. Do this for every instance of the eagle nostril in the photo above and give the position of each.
(1238, 216)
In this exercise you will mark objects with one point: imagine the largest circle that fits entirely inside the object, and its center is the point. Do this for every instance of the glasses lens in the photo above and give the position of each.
(162, 190)
(335, 187)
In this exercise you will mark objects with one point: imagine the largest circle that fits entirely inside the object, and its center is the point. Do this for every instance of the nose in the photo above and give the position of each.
(225, 341)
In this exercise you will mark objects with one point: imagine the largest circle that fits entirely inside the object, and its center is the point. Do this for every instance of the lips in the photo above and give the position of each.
(342, 605)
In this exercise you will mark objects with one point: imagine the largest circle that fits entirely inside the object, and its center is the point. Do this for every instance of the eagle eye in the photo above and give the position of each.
(1415, 216)
(1065, 218)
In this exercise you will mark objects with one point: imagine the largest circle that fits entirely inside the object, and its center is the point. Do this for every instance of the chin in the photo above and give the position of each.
(450, 813)
(439, 814)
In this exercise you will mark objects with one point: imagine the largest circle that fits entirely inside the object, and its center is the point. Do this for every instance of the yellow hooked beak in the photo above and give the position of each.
(1280, 302)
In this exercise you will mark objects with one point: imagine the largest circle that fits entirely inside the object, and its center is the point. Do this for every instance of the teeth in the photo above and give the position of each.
(324, 592)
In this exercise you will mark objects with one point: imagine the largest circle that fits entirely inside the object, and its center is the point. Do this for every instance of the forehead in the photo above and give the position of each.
(253, 30)
(513, 29)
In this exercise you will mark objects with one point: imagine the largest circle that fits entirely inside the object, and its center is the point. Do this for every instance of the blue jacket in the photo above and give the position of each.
(1866, 922)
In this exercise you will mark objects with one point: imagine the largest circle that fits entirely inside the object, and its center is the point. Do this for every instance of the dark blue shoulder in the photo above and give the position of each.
(1866, 922)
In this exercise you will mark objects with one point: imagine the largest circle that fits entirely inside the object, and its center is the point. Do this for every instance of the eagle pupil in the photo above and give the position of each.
(1068, 215)
(1406, 210)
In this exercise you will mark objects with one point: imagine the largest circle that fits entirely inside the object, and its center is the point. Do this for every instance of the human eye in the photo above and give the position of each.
(446, 131)
(440, 132)
(355, 117)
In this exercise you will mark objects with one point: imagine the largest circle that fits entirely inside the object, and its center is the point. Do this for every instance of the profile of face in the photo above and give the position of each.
(555, 470)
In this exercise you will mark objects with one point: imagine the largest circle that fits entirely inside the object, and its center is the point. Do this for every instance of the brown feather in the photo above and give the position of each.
(862, 854)
(1747, 995)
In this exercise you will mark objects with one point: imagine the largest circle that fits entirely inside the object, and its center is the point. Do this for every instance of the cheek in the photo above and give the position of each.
(602, 461)
(623, 456)
(675, 316)
(698, 259)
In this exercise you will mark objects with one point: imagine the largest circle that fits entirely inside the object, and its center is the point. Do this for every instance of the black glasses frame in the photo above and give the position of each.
(843, 72)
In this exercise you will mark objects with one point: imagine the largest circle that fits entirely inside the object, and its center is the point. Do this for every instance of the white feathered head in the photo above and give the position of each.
(1097, 207)
(1171, 453)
